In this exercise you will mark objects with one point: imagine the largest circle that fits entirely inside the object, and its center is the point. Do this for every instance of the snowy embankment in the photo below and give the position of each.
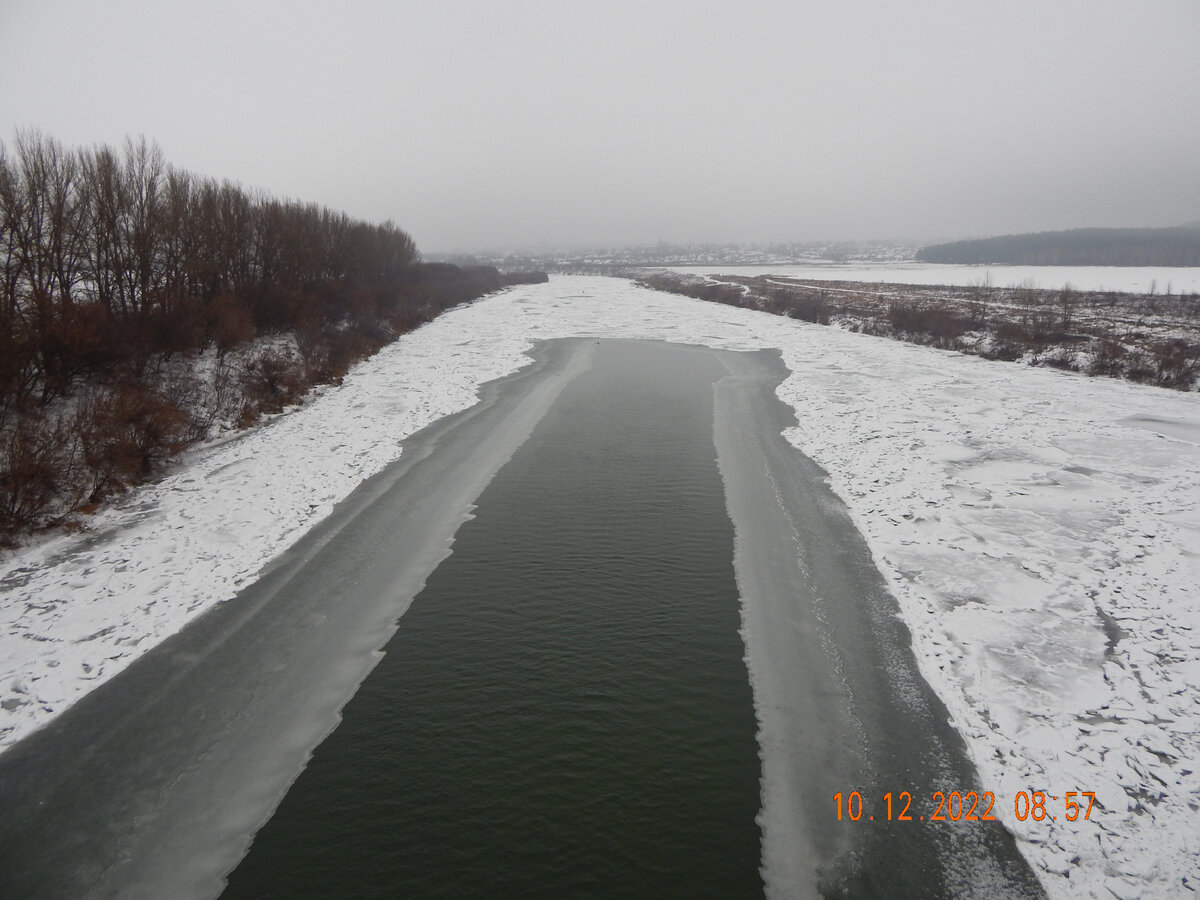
(1133, 279)
(1040, 531)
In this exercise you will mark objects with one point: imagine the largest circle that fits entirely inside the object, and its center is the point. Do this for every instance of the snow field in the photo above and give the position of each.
(1040, 530)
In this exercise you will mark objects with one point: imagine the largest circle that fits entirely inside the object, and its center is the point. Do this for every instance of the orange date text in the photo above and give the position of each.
(962, 806)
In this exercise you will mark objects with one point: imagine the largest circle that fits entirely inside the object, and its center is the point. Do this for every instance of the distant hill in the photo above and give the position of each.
(1179, 246)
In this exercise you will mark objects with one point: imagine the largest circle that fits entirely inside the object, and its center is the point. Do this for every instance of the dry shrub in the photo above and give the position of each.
(312, 344)
(937, 326)
(221, 400)
(271, 380)
(349, 345)
(183, 388)
(1140, 368)
(1177, 363)
(230, 322)
(34, 467)
(126, 433)
(1004, 350)
(806, 306)
(1009, 342)
(410, 316)
(1109, 358)
(1060, 360)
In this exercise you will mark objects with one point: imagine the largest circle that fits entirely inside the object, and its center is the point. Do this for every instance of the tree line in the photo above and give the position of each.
(1077, 247)
(138, 302)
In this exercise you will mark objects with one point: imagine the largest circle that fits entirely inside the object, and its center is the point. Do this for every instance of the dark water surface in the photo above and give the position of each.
(564, 710)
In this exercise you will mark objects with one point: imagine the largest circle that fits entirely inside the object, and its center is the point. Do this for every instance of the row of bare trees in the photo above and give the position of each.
(117, 268)
(111, 259)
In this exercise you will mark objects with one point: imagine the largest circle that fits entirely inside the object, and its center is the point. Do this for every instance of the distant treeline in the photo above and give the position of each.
(1079, 247)
(127, 286)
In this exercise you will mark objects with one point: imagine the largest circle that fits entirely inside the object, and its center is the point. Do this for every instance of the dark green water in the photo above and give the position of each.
(564, 710)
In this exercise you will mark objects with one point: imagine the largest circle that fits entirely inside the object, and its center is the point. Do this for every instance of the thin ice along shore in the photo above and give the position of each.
(1037, 529)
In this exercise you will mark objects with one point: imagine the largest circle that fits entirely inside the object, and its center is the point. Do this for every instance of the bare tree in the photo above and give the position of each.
(1068, 302)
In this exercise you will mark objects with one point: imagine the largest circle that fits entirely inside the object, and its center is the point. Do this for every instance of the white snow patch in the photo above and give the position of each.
(1041, 532)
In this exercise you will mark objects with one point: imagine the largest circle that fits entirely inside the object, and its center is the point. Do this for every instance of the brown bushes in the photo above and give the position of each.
(1176, 363)
(809, 309)
(927, 324)
(126, 433)
(1109, 358)
(34, 469)
(229, 322)
(808, 306)
(54, 464)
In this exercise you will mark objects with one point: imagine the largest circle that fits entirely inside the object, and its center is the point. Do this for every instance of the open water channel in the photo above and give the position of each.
(585, 698)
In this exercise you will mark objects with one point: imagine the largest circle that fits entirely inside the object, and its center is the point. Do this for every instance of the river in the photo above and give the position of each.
(646, 650)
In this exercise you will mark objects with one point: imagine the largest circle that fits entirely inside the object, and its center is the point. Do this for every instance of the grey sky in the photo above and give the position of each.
(483, 124)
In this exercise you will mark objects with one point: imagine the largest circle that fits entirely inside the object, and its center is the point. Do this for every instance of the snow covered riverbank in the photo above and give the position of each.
(1134, 279)
(1039, 530)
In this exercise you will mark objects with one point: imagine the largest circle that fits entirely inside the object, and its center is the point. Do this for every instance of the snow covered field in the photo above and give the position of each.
(1135, 279)
(1041, 531)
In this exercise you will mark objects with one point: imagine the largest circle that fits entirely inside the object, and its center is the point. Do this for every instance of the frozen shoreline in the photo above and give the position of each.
(838, 693)
(1035, 527)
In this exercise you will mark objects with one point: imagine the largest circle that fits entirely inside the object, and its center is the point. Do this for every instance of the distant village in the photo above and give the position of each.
(667, 254)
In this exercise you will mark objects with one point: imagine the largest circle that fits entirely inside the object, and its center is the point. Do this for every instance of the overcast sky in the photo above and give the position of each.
(489, 124)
